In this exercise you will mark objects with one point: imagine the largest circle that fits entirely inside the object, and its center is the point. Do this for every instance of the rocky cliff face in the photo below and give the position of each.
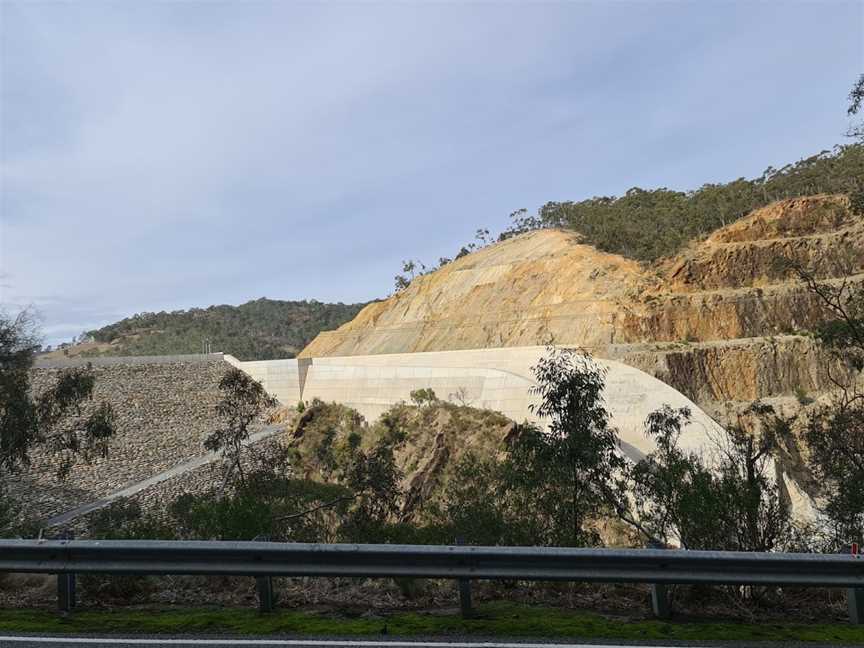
(531, 289)
(721, 321)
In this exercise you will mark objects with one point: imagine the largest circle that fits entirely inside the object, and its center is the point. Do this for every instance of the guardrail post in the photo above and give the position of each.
(464, 591)
(659, 595)
(264, 585)
(65, 585)
(660, 601)
(65, 592)
(855, 598)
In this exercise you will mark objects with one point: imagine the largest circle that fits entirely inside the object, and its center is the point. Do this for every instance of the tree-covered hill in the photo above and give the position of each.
(262, 329)
(646, 224)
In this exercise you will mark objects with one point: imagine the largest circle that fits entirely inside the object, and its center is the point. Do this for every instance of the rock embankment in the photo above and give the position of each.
(164, 409)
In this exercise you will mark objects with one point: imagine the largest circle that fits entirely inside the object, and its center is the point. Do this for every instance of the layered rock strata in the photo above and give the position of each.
(723, 320)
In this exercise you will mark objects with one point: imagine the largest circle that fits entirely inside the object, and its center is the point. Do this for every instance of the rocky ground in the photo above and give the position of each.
(164, 410)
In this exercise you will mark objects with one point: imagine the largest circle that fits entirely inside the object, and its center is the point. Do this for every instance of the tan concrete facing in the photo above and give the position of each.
(496, 379)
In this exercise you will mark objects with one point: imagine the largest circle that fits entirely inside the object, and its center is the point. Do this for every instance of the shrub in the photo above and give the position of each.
(471, 505)
(733, 506)
(234, 517)
(124, 519)
(856, 202)
(560, 479)
(421, 397)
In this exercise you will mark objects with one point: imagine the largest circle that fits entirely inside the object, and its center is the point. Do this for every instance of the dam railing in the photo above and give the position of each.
(264, 560)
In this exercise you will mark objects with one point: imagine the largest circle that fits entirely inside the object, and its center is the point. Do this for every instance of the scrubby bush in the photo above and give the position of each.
(262, 329)
(733, 505)
(61, 420)
(856, 202)
(243, 401)
(123, 519)
(421, 397)
(471, 506)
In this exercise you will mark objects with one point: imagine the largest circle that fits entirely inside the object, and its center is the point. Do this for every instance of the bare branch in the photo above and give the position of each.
(293, 516)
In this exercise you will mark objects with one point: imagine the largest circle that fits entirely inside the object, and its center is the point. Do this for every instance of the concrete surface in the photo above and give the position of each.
(496, 379)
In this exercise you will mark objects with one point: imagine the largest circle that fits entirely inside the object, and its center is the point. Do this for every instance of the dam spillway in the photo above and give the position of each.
(495, 379)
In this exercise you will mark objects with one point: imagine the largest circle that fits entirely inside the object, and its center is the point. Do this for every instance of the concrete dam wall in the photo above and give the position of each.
(495, 379)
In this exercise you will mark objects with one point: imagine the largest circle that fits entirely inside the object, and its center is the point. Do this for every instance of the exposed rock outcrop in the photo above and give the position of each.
(525, 291)
(720, 321)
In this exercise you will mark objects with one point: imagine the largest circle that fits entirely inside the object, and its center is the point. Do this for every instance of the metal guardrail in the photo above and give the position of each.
(266, 559)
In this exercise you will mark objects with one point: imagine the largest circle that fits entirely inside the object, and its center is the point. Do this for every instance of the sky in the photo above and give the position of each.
(159, 156)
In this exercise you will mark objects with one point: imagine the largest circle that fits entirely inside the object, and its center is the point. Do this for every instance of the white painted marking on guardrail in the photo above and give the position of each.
(296, 642)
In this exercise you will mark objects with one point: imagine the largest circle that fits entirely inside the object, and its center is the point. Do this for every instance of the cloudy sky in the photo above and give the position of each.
(167, 155)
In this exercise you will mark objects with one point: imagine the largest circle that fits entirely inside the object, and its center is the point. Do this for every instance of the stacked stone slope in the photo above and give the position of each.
(164, 409)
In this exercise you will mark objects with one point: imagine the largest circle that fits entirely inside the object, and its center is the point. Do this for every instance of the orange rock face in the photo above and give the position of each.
(719, 321)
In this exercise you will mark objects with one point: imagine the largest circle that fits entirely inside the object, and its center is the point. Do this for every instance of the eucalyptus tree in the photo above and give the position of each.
(60, 419)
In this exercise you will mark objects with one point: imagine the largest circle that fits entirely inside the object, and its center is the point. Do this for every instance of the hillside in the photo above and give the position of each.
(429, 441)
(647, 224)
(262, 329)
(719, 321)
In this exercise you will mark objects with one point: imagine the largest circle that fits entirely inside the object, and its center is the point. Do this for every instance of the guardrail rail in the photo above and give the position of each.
(264, 560)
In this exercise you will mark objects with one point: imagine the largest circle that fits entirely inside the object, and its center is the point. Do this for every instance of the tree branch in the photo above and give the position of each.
(343, 498)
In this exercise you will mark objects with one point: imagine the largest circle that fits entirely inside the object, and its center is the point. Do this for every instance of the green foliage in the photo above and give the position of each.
(493, 619)
(561, 478)
(856, 100)
(54, 420)
(262, 329)
(123, 519)
(327, 435)
(374, 479)
(841, 335)
(731, 506)
(834, 433)
(835, 437)
(243, 401)
(238, 516)
(471, 505)
(856, 202)
(520, 223)
(421, 397)
(270, 502)
(410, 270)
(648, 224)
